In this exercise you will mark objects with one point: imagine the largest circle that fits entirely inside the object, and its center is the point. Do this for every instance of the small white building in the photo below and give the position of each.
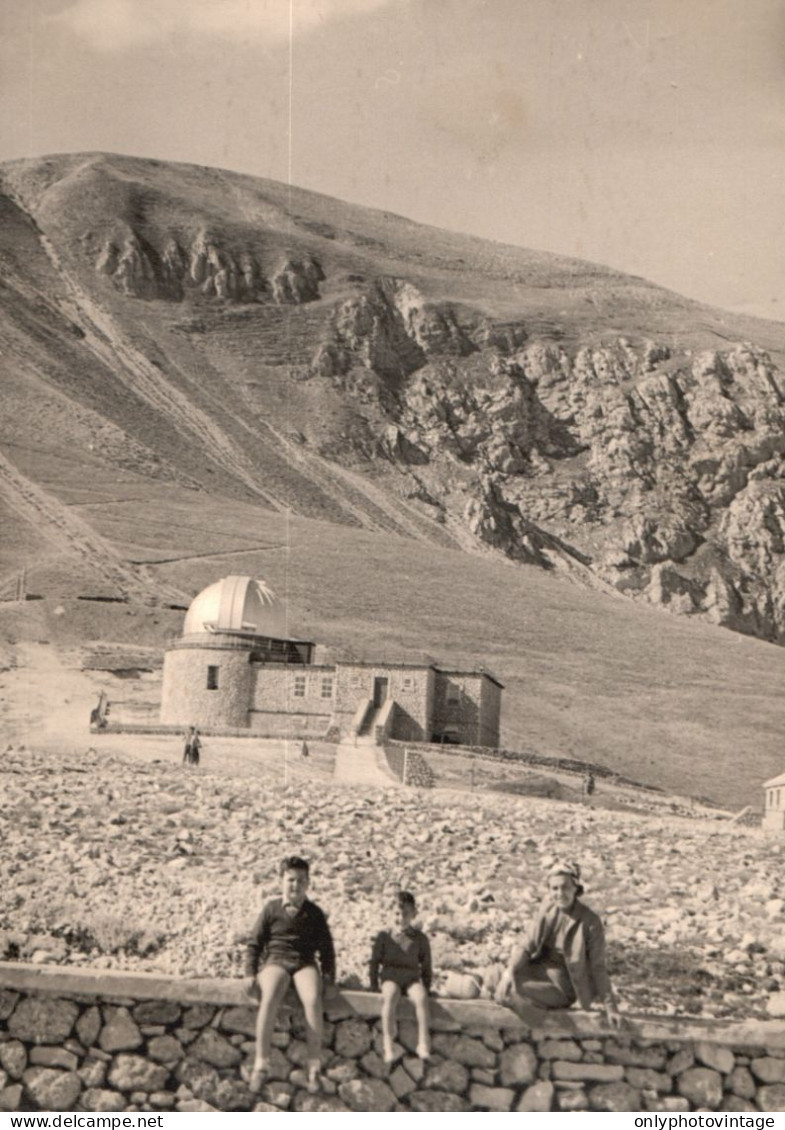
(774, 808)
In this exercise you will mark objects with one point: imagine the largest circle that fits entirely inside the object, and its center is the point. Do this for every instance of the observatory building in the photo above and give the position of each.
(236, 668)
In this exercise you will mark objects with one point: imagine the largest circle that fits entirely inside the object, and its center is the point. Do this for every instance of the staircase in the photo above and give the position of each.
(361, 762)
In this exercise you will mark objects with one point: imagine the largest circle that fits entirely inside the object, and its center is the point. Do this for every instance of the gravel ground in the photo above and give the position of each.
(122, 858)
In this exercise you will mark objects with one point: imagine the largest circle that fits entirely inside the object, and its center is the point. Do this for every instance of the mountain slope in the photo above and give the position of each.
(240, 337)
(405, 430)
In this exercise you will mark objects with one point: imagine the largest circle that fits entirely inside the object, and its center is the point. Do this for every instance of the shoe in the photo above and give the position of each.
(423, 1051)
(388, 1054)
(314, 1084)
(258, 1077)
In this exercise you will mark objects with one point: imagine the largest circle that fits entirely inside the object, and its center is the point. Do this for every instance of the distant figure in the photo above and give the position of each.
(98, 713)
(401, 961)
(589, 784)
(304, 751)
(193, 745)
(563, 958)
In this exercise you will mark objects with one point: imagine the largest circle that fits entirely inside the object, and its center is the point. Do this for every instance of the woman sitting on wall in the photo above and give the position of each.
(563, 959)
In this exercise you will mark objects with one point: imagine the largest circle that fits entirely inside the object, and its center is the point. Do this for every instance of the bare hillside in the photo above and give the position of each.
(406, 431)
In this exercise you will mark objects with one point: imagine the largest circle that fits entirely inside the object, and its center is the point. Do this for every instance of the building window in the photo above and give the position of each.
(212, 678)
(407, 683)
(327, 686)
(453, 694)
(299, 686)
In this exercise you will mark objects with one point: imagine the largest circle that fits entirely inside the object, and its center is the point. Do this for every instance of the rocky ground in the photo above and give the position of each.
(119, 857)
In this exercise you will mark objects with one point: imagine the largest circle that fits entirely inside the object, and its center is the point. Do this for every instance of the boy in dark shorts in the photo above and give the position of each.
(401, 961)
(287, 936)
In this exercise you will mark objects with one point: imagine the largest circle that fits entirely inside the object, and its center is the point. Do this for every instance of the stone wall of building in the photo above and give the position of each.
(108, 1041)
(186, 697)
(490, 713)
(457, 706)
(292, 699)
(410, 687)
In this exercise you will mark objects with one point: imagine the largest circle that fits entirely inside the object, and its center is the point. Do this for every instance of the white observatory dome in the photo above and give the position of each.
(237, 604)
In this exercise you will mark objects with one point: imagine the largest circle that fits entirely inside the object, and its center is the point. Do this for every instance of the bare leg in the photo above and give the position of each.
(273, 983)
(391, 994)
(308, 986)
(418, 995)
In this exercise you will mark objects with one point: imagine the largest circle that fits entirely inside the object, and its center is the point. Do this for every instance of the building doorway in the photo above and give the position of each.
(379, 692)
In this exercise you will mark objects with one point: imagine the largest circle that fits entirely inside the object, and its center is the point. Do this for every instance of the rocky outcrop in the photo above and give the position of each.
(661, 473)
(204, 267)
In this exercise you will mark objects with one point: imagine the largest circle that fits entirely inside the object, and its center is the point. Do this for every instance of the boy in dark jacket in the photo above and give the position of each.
(287, 936)
(401, 961)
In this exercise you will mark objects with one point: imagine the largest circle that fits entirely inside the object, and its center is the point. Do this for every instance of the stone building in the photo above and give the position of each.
(235, 667)
(774, 808)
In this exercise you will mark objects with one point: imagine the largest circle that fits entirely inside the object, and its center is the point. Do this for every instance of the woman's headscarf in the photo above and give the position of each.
(567, 867)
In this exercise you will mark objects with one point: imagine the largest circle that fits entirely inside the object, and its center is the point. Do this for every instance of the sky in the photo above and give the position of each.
(645, 134)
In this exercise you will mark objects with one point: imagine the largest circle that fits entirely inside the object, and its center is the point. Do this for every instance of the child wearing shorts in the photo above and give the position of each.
(282, 950)
(401, 963)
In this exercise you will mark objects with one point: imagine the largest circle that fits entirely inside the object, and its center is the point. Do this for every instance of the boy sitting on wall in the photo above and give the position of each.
(287, 936)
(401, 960)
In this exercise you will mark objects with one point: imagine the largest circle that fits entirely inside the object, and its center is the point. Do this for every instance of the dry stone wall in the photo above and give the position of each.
(106, 1042)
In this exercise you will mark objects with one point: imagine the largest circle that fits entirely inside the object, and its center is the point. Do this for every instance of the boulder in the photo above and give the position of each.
(768, 1069)
(160, 1012)
(92, 1072)
(41, 1020)
(135, 1073)
(447, 1076)
(459, 986)
(742, 1083)
(433, 1102)
(239, 1019)
(308, 1104)
(771, 1098)
(402, 1083)
(13, 1058)
(11, 1097)
(614, 1097)
(559, 1049)
(94, 1099)
(536, 1098)
(215, 1049)
(120, 1032)
(463, 1049)
(483, 1097)
(352, 1039)
(88, 1026)
(587, 1072)
(573, 1099)
(53, 1056)
(165, 1049)
(736, 1104)
(715, 1056)
(367, 1095)
(702, 1086)
(52, 1089)
(518, 1064)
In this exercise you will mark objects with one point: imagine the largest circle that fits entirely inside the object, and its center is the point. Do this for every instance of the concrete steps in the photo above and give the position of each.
(362, 764)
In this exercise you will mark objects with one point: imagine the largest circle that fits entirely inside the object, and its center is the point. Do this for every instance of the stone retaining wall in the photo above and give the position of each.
(107, 1041)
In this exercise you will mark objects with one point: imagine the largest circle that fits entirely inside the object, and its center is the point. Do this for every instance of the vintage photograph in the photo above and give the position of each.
(392, 557)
